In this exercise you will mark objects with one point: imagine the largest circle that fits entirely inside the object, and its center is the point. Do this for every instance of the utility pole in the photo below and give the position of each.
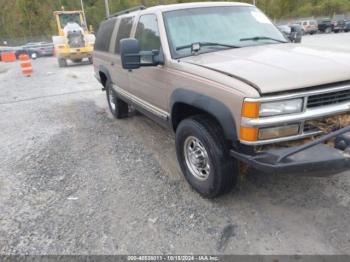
(107, 8)
(254, 2)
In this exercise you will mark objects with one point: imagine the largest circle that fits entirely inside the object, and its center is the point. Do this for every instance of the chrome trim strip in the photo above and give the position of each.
(291, 118)
(298, 95)
(281, 139)
(147, 106)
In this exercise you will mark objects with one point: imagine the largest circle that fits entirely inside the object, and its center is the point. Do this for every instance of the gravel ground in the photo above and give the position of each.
(75, 181)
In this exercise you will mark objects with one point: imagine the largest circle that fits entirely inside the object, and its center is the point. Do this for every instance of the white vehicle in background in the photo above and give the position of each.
(309, 26)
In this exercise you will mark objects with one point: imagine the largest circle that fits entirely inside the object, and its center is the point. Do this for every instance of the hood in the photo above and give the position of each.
(279, 67)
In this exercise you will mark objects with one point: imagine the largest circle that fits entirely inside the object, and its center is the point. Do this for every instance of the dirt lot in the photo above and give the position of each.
(75, 181)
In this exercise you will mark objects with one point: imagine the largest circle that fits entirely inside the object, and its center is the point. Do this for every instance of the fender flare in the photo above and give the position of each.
(209, 105)
(104, 70)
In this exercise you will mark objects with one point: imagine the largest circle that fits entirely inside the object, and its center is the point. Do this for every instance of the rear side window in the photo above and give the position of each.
(147, 33)
(124, 31)
(104, 35)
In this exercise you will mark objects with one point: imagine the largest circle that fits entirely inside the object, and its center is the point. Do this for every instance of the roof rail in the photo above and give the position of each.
(126, 11)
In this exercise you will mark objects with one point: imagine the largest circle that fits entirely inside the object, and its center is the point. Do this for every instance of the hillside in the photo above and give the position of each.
(24, 20)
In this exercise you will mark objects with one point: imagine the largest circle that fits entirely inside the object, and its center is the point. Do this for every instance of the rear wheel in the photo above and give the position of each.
(62, 62)
(204, 158)
(118, 107)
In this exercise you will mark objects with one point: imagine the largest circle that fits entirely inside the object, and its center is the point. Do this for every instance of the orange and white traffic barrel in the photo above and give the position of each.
(26, 65)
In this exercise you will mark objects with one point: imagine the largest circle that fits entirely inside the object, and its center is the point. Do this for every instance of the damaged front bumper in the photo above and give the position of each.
(314, 158)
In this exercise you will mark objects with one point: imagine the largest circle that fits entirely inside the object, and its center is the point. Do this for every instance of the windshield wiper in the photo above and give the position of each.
(257, 38)
(197, 46)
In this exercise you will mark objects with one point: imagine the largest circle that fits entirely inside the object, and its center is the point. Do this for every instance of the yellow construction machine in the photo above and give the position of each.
(74, 41)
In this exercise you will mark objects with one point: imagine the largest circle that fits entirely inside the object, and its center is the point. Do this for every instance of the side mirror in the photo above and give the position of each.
(130, 53)
(132, 57)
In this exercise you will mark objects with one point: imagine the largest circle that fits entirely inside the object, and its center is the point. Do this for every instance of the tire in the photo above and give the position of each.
(90, 60)
(62, 62)
(34, 55)
(118, 107)
(200, 132)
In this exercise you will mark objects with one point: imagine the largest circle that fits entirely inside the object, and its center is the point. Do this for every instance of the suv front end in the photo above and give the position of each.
(300, 132)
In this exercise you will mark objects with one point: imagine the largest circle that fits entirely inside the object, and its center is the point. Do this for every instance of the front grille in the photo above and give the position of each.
(327, 124)
(76, 40)
(328, 98)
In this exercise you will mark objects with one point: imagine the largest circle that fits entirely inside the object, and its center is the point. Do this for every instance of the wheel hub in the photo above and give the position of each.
(111, 98)
(196, 157)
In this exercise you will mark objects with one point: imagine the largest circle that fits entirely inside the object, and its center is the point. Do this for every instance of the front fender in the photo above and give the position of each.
(209, 105)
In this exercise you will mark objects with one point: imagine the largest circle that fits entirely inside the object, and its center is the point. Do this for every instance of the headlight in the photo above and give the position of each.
(281, 107)
(252, 109)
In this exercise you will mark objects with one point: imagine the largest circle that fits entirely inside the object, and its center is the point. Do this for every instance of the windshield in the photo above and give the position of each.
(71, 18)
(226, 25)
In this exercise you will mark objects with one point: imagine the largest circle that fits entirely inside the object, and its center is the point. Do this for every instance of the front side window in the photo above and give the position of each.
(147, 33)
(237, 26)
(123, 31)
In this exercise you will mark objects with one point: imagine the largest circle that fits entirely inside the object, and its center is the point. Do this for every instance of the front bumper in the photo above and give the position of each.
(314, 158)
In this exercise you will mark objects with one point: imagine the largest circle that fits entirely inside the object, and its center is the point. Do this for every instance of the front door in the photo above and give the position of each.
(149, 83)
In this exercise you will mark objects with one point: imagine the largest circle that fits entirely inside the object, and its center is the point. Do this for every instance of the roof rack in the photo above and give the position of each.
(126, 11)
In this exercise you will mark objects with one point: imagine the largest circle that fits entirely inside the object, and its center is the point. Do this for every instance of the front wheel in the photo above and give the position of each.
(62, 62)
(118, 107)
(204, 158)
(34, 55)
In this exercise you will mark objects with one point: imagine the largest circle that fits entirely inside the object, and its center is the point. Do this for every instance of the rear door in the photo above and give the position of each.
(120, 75)
(102, 52)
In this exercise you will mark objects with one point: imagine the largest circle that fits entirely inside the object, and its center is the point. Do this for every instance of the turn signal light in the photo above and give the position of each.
(249, 133)
(250, 109)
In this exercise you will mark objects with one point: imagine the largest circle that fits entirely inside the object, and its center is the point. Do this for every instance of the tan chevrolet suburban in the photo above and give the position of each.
(231, 86)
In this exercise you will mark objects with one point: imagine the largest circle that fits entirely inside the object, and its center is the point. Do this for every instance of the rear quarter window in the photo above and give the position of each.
(104, 35)
(123, 31)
